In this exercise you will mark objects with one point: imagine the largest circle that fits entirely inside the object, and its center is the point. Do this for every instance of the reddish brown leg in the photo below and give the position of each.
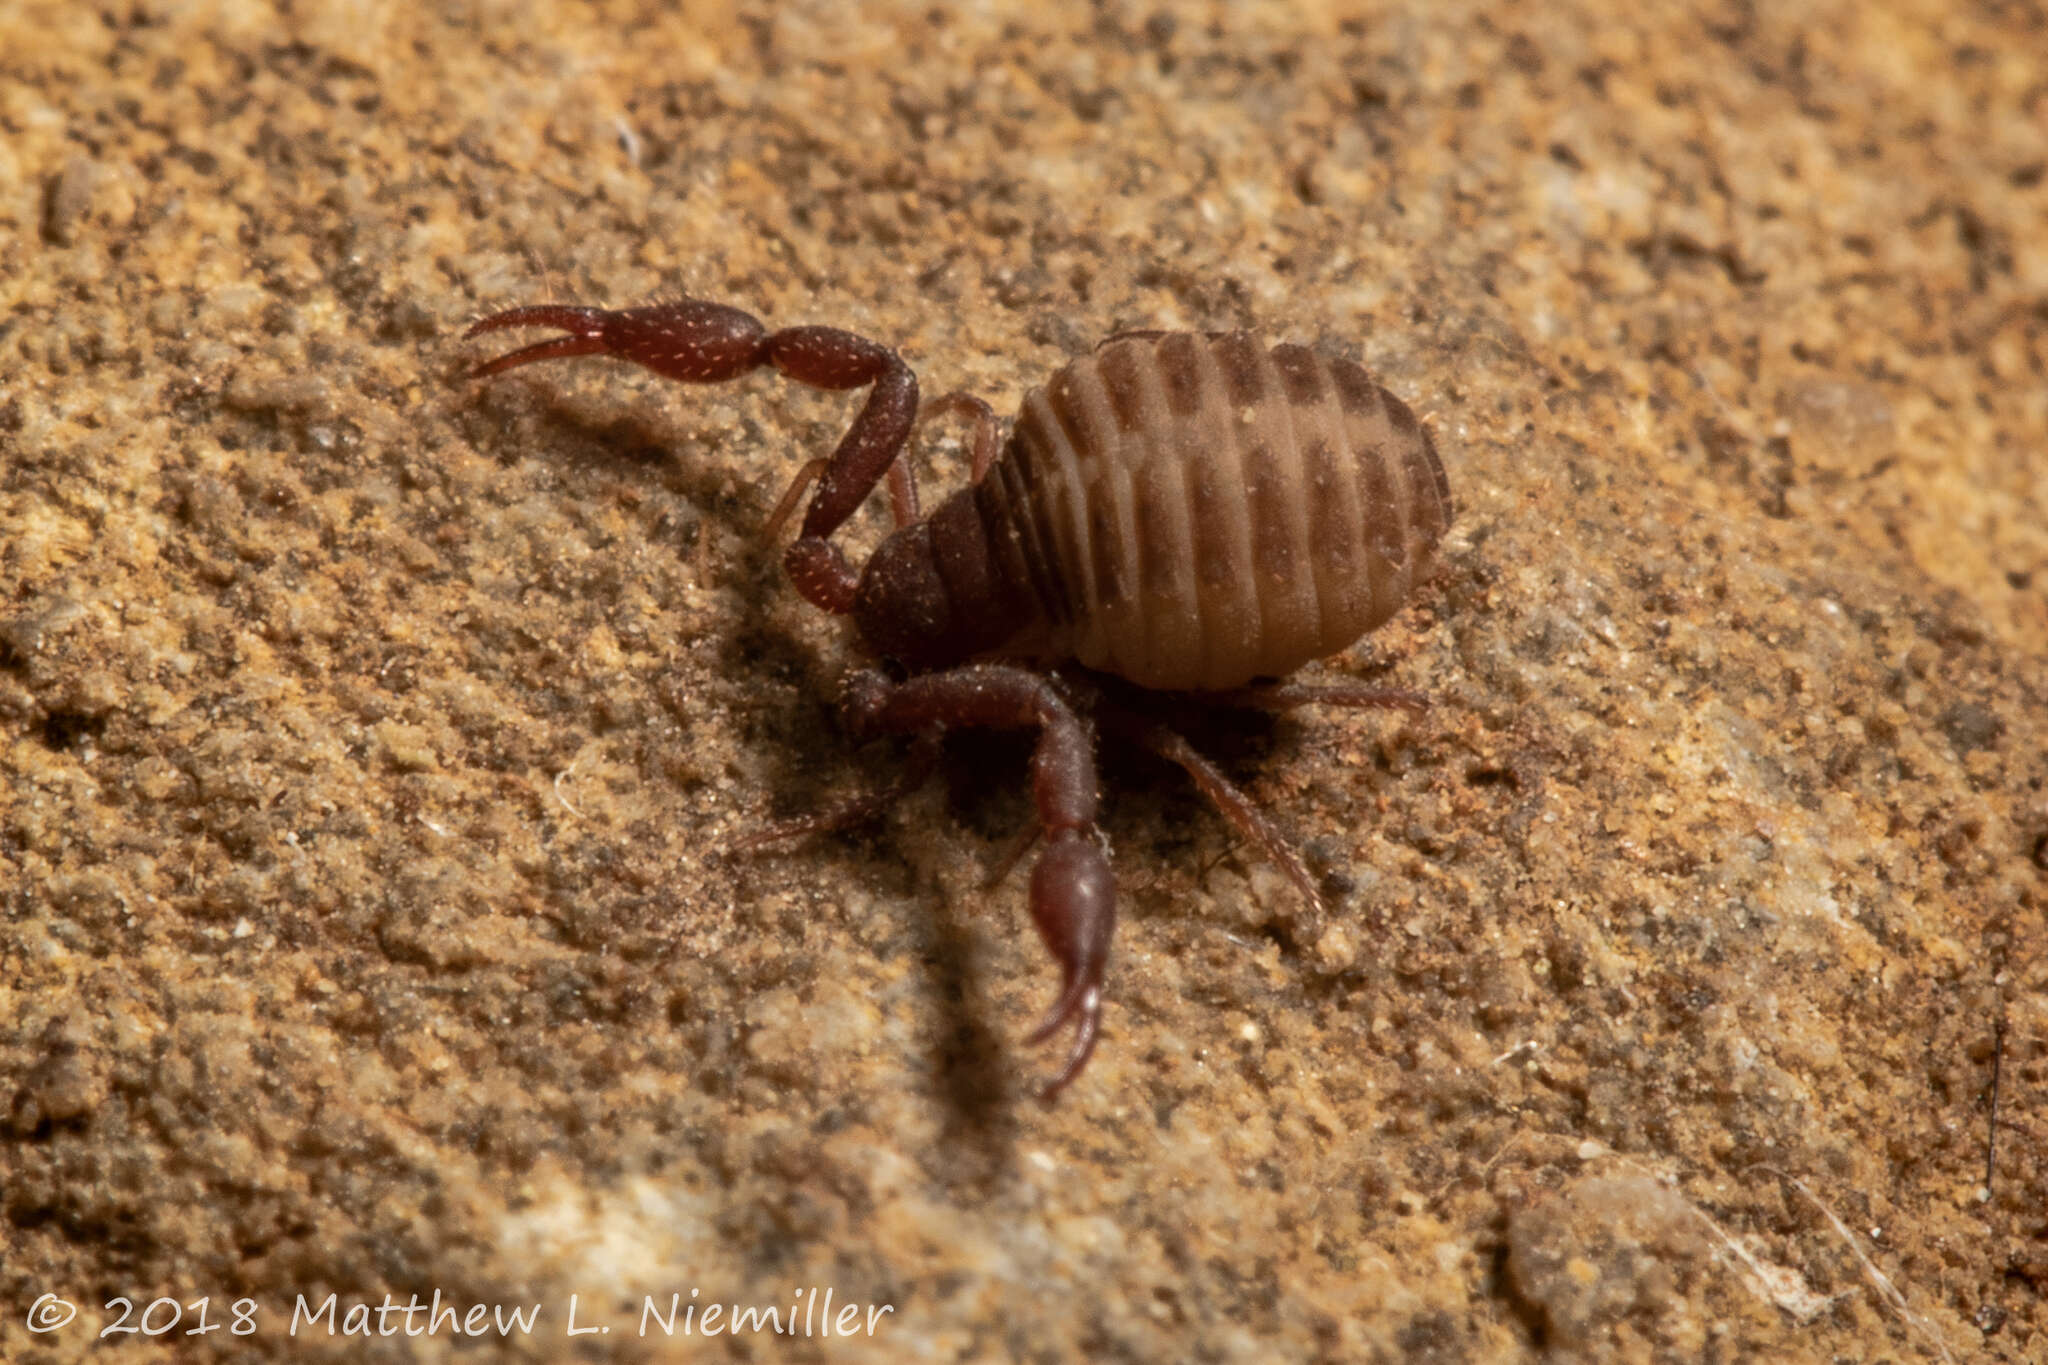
(983, 441)
(1226, 796)
(1026, 840)
(902, 494)
(791, 496)
(1073, 893)
(1229, 800)
(917, 770)
(708, 343)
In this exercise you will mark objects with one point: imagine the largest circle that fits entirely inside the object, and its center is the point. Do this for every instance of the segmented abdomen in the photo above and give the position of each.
(1196, 512)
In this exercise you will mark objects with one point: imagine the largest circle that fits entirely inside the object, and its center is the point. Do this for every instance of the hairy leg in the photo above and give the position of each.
(1230, 801)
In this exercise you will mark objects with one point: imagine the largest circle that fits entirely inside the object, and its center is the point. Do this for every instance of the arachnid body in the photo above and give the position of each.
(1187, 512)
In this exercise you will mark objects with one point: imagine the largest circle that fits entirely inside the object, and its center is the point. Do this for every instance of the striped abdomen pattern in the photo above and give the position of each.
(1194, 512)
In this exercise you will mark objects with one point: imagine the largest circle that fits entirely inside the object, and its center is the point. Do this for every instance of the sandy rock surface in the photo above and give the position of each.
(368, 737)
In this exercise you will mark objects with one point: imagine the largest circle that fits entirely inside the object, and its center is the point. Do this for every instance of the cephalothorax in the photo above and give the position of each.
(1187, 512)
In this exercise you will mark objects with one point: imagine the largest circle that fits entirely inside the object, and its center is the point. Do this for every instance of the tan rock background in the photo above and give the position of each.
(367, 736)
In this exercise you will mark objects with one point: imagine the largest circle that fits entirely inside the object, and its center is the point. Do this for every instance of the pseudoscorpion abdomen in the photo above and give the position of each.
(1194, 512)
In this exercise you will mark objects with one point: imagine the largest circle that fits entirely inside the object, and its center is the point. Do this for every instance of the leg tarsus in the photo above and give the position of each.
(1231, 802)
